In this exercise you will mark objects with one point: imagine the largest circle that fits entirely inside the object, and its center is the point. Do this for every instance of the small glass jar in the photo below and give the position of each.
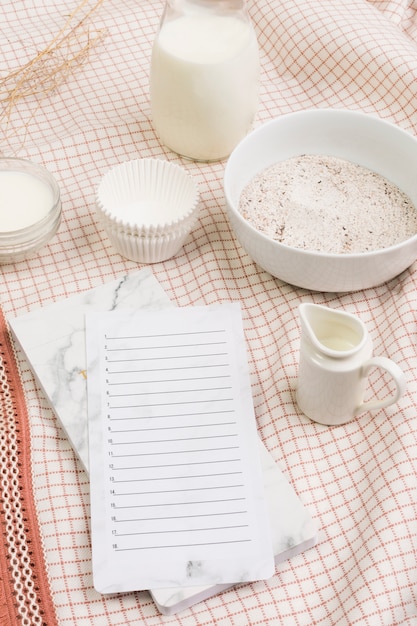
(204, 79)
(30, 208)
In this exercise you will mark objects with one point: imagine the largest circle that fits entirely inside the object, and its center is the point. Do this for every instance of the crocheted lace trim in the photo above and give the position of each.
(24, 590)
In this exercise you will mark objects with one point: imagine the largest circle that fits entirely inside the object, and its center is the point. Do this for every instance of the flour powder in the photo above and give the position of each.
(328, 205)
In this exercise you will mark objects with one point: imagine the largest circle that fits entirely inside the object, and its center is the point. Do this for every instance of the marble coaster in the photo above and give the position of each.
(293, 531)
(53, 340)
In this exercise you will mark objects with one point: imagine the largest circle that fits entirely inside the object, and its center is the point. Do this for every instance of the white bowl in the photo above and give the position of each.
(354, 136)
(147, 208)
(30, 208)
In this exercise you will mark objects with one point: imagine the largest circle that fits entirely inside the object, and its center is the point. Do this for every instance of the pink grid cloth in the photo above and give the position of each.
(359, 481)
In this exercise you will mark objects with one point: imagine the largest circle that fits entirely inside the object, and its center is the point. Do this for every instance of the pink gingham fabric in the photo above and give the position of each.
(359, 481)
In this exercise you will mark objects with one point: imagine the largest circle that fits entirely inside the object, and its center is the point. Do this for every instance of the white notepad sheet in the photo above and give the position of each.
(177, 494)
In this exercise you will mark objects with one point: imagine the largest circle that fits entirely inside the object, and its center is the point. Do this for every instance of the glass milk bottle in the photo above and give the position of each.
(204, 77)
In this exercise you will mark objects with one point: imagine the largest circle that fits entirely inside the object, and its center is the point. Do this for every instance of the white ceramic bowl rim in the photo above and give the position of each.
(362, 138)
(294, 115)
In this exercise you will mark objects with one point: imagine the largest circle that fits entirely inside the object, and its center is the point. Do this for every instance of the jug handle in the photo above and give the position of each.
(397, 375)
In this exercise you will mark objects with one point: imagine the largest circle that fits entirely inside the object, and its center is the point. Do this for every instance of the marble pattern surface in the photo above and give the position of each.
(293, 531)
(53, 341)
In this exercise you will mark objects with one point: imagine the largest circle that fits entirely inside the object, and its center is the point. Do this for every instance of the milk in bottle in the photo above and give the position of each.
(204, 77)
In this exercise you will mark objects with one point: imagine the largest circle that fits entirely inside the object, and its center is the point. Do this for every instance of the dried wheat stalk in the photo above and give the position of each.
(43, 74)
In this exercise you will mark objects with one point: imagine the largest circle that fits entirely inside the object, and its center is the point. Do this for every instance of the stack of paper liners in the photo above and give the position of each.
(53, 340)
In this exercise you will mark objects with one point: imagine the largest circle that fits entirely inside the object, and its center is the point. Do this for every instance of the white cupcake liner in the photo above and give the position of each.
(147, 196)
(126, 229)
(147, 249)
(147, 207)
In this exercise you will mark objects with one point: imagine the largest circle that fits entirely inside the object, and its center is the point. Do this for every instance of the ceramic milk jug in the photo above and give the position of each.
(335, 360)
(204, 77)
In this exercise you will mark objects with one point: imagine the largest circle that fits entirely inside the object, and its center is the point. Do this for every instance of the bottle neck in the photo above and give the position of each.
(175, 8)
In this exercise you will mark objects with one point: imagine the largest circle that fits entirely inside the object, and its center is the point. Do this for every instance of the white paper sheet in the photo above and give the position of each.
(176, 483)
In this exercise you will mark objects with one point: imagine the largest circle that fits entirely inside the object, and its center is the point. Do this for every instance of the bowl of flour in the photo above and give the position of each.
(326, 199)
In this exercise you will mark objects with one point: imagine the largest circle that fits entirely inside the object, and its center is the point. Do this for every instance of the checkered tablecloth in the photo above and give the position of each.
(359, 481)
